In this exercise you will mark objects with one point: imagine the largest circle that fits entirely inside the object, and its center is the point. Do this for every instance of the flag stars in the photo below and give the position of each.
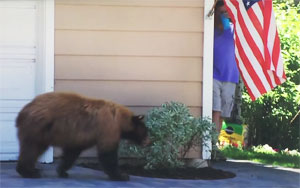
(249, 3)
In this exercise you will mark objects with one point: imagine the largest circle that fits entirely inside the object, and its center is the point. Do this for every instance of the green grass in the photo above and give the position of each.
(275, 159)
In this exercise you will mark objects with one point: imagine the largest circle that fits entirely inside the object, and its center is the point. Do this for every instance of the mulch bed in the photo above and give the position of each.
(187, 173)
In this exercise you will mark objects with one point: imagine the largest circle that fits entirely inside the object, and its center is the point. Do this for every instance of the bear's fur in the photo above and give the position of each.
(75, 123)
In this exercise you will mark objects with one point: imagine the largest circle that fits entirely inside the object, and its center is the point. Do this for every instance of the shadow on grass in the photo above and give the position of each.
(275, 159)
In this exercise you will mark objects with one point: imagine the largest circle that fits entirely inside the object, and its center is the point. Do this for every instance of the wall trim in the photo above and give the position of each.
(207, 89)
(49, 45)
(46, 55)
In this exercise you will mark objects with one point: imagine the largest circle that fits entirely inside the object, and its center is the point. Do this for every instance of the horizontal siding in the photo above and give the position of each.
(121, 68)
(151, 3)
(136, 93)
(115, 43)
(128, 18)
(140, 53)
(195, 111)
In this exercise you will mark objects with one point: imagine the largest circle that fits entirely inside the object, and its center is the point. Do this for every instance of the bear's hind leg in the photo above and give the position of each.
(68, 159)
(27, 159)
(109, 161)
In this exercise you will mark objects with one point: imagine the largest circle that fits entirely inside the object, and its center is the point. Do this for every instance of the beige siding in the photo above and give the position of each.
(117, 43)
(136, 93)
(137, 53)
(124, 18)
(121, 68)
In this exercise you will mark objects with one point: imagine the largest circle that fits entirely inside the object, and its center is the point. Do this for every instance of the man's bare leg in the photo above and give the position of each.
(218, 120)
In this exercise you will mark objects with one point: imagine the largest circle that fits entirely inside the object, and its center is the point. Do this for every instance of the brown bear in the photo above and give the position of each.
(75, 123)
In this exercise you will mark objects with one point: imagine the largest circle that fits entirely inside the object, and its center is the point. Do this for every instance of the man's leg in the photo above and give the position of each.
(217, 119)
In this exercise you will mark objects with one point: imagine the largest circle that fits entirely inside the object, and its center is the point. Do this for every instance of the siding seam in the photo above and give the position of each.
(152, 106)
(134, 31)
(121, 5)
(116, 55)
(98, 80)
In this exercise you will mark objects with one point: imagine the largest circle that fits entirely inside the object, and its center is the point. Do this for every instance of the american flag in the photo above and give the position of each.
(257, 45)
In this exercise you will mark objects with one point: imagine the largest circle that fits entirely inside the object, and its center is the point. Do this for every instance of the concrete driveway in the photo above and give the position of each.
(249, 174)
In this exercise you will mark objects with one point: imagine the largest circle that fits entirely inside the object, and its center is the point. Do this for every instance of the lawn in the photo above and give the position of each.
(265, 155)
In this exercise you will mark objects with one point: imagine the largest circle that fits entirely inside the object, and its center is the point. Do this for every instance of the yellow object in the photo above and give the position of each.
(231, 133)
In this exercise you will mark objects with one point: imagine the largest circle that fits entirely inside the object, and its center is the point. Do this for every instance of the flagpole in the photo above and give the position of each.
(212, 10)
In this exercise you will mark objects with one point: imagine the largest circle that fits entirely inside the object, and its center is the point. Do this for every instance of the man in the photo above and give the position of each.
(226, 74)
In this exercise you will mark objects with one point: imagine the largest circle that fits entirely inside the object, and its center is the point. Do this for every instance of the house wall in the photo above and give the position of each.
(137, 53)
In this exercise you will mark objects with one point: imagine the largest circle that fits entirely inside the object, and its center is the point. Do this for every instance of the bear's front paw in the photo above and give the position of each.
(120, 177)
(28, 173)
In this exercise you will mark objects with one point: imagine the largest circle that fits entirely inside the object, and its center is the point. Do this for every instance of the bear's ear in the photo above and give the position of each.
(137, 118)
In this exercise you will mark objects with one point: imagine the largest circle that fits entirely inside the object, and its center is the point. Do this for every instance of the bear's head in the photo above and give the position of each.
(138, 132)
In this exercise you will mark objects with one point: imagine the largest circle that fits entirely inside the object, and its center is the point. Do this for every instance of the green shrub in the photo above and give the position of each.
(269, 118)
(173, 132)
(264, 149)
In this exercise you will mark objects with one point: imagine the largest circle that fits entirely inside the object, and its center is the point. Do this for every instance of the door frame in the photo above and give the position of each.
(45, 47)
(45, 71)
(207, 72)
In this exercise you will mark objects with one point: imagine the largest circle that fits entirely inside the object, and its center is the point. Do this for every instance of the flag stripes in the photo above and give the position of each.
(257, 45)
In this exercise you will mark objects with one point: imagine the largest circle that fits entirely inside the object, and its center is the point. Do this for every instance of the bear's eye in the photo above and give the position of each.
(138, 118)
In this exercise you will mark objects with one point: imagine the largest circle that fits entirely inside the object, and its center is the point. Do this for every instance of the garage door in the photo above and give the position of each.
(21, 63)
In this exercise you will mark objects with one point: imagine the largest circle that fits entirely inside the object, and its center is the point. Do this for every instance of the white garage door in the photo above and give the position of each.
(21, 64)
